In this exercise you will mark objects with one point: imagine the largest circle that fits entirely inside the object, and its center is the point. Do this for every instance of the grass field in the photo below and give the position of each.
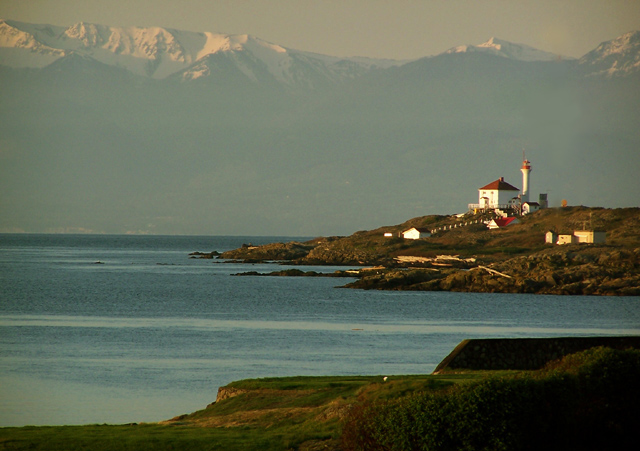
(588, 400)
(266, 414)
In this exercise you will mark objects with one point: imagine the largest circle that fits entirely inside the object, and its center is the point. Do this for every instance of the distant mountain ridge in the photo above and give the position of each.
(164, 52)
(618, 57)
(154, 130)
(161, 52)
(499, 47)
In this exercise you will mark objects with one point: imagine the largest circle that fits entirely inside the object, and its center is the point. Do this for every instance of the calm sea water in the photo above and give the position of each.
(148, 333)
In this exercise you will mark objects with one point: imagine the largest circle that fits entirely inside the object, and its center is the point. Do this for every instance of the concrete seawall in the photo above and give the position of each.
(523, 353)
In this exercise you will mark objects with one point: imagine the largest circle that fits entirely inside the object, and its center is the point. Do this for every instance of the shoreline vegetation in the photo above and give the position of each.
(459, 257)
(578, 401)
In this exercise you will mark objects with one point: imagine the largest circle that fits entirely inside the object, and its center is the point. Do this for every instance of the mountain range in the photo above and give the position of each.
(154, 130)
(161, 52)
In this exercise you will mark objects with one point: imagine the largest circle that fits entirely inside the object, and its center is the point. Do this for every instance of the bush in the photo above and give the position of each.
(587, 401)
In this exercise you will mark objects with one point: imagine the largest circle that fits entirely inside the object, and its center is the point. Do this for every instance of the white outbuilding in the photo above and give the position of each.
(530, 207)
(496, 195)
(415, 233)
(590, 236)
(578, 236)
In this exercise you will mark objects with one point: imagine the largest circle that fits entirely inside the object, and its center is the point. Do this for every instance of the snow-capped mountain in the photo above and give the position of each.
(160, 52)
(20, 48)
(160, 126)
(499, 47)
(259, 60)
(618, 57)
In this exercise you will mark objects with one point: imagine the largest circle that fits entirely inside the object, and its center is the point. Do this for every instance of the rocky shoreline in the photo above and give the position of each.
(474, 259)
(571, 270)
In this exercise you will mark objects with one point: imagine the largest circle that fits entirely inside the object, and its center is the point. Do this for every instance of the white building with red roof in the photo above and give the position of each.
(496, 195)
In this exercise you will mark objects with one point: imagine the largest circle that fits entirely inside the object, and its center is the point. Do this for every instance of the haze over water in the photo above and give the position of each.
(147, 333)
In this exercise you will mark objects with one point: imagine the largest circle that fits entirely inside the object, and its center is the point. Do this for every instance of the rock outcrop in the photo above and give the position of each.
(579, 270)
(208, 255)
(472, 258)
(228, 392)
(270, 252)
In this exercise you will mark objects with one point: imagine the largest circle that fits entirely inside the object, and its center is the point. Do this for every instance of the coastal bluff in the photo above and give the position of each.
(523, 353)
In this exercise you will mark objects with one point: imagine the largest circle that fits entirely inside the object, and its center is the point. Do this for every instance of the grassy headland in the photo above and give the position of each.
(266, 414)
(588, 400)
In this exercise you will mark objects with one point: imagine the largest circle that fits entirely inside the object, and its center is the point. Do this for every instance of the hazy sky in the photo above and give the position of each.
(399, 29)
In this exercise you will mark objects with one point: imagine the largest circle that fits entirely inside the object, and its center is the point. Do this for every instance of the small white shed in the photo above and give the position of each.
(551, 237)
(567, 239)
(590, 236)
(415, 233)
(530, 207)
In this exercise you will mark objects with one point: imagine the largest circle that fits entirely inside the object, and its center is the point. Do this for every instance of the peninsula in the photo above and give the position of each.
(462, 253)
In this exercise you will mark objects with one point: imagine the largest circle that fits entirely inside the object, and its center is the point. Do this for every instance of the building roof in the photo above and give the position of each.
(501, 185)
(503, 222)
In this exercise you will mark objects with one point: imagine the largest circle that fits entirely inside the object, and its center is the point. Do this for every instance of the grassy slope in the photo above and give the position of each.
(269, 414)
(622, 226)
(518, 251)
(307, 413)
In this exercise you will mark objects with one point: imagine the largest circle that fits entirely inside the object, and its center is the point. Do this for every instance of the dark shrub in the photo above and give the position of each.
(589, 400)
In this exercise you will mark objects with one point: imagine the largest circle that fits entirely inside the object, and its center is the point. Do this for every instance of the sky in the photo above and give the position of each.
(396, 29)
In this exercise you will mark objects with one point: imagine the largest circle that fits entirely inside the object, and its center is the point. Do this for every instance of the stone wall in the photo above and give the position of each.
(523, 353)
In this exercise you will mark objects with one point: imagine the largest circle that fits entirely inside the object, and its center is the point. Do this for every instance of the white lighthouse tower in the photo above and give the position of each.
(526, 168)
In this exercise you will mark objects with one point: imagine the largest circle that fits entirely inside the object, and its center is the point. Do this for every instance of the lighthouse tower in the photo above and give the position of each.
(526, 168)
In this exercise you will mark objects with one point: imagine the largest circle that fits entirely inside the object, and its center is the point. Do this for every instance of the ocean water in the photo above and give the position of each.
(118, 329)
